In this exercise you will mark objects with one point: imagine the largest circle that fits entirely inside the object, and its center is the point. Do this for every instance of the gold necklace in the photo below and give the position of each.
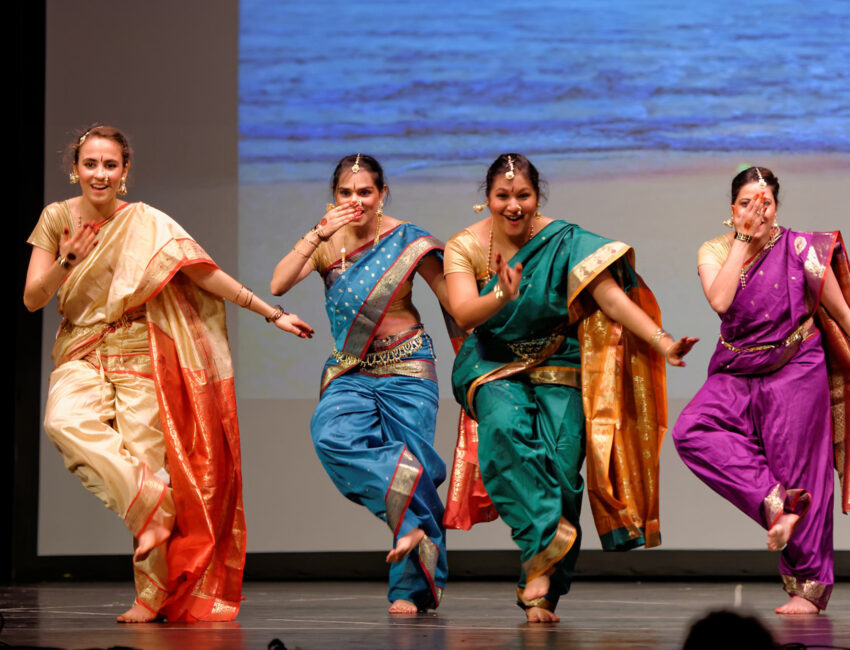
(490, 244)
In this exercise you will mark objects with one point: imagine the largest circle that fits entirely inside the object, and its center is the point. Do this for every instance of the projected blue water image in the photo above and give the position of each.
(432, 84)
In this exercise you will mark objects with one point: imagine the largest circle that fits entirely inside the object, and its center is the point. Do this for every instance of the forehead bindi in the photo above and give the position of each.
(100, 150)
(355, 182)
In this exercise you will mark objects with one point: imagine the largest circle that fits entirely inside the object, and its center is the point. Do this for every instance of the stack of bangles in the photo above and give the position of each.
(500, 293)
(277, 313)
(655, 339)
(316, 230)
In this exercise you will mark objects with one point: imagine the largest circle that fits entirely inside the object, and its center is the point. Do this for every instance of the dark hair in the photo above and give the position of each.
(365, 162)
(522, 165)
(725, 629)
(72, 150)
(751, 175)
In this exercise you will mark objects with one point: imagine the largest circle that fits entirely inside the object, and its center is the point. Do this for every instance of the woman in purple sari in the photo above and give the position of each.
(758, 432)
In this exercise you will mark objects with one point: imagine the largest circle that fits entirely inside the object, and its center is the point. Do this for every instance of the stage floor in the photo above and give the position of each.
(473, 616)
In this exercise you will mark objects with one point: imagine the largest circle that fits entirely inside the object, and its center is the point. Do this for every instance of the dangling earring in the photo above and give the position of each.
(122, 186)
(729, 223)
(380, 213)
(479, 207)
(537, 214)
(74, 177)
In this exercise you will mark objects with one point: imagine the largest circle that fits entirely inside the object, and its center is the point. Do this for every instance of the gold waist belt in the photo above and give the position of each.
(794, 338)
(382, 357)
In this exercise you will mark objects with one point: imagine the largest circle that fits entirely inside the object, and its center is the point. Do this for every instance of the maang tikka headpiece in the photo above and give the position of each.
(356, 166)
(510, 173)
(762, 182)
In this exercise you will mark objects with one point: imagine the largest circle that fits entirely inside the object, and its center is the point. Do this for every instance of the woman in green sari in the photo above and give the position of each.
(566, 353)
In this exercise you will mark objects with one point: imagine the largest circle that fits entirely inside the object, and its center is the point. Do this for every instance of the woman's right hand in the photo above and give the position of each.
(509, 278)
(337, 217)
(76, 247)
(747, 218)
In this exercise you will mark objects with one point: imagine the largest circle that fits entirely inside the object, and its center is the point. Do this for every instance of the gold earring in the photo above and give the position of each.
(479, 207)
(729, 223)
(74, 177)
(122, 186)
(537, 214)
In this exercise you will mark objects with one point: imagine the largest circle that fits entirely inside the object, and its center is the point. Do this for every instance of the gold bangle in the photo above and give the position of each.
(302, 253)
(498, 292)
(743, 237)
(320, 233)
(277, 313)
(655, 339)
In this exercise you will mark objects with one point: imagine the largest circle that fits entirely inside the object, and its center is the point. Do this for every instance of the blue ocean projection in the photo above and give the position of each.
(424, 85)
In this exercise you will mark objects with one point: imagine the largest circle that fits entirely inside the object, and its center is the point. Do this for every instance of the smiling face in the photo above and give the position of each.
(513, 204)
(767, 218)
(100, 167)
(360, 187)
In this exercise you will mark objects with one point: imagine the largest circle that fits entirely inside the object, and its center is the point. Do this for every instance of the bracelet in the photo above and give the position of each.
(742, 237)
(302, 253)
(249, 297)
(655, 339)
(498, 292)
(64, 262)
(320, 233)
(278, 312)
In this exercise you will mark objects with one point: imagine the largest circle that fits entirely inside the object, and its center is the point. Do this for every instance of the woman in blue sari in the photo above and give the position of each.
(373, 428)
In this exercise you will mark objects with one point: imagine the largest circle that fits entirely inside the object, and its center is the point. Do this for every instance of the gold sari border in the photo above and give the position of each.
(400, 491)
(152, 491)
(560, 375)
(815, 592)
(186, 248)
(149, 593)
(545, 560)
(429, 554)
(585, 271)
(332, 372)
(774, 505)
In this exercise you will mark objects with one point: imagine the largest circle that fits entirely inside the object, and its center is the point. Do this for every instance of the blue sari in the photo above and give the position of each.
(373, 428)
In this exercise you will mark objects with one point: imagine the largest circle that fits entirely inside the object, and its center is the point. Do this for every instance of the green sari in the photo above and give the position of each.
(549, 376)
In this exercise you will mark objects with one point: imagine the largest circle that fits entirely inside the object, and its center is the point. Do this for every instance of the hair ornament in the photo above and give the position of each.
(356, 166)
(762, 182)
(510, 173)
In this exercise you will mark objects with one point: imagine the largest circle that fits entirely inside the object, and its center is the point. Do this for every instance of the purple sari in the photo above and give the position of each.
(758, 432)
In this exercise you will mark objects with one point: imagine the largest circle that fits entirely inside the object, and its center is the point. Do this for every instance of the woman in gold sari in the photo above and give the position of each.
(141, 402)
(567, 354)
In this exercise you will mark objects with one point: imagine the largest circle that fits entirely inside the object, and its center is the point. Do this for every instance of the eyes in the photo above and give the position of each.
(522, 196)
(91, 164)
(745, 202)
(363, 191)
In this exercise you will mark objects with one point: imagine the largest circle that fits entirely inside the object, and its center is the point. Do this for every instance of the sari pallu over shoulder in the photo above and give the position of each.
(135, 267)
(357, 299)
(554, 323)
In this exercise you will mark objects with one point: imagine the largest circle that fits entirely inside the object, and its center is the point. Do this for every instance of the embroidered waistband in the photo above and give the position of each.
(384, 356)
(795, 338)
(125, 320)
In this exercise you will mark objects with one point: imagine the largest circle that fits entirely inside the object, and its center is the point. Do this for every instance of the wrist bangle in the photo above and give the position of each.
(498, 292)
(655, 339)
(320, 233)
(64, 262)
(742, 237)
(278, 312)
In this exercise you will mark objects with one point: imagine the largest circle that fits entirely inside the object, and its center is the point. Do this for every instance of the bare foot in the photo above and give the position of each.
(403, 607)
(536, 588)
(157, 532)
(780, 532)
(540, 615)
(137, 614)
(404, 545)
(798, 606)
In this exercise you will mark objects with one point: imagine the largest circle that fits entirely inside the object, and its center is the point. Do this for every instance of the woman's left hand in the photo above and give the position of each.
(292, 323)
(677, 350)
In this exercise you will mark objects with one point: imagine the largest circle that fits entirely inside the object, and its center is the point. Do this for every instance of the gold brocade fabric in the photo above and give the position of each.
(465, 255)
(624, 395)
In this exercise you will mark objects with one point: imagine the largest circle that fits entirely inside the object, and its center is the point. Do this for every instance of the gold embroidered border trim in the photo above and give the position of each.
(429, 554)
(560, 375)
(151, 493)
(774, 505)
(592, 265)
(542, 602)
(813, 591)
(383, 357)
(797, 336)
(421, 368)
(542, 563)
(149, 592)
(402, 485)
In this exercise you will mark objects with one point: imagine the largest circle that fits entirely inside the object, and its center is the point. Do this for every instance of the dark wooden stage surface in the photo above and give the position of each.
(473, 616)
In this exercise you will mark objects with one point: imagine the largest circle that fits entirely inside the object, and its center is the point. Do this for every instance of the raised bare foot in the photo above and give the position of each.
(405, 544)
(137, 614)
(781, 531)
(403, 607)
(536, 588)
(540, 615)
(797, 606)
(157, 532)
